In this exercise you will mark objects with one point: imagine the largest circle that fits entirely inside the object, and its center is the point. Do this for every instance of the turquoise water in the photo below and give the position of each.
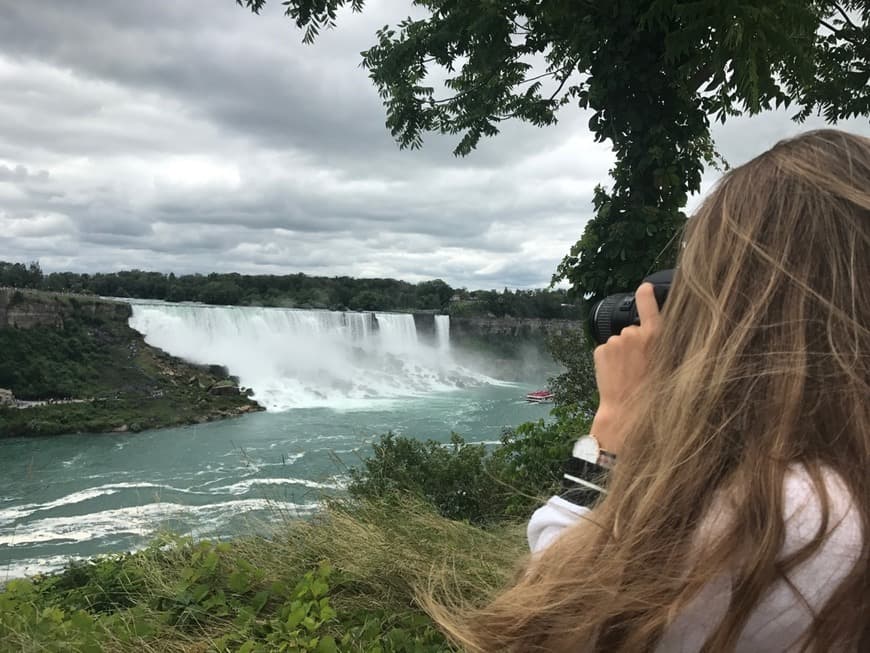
(80, 495)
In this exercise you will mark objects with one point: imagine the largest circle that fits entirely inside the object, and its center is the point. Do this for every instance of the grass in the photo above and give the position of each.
(344, 581)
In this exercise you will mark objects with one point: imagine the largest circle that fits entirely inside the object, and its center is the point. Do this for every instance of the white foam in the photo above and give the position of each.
(308, 359)
(19, 512)
(243, 487)
(72, 461)
(34, 566)
(140, 521)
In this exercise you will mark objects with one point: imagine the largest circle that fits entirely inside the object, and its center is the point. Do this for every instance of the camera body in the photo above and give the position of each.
(615, 312)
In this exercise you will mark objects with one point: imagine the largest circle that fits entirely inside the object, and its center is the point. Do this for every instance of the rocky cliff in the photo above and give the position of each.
(71, 363)
(513, 327)
(472, 328)
(24, 309)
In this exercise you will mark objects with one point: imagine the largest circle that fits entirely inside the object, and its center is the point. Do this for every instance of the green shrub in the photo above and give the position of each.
(530, 459)
(28, 623)
(471, 482)
(454, 478)
(101, 585)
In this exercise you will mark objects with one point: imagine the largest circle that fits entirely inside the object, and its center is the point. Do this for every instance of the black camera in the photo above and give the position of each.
(612, 314)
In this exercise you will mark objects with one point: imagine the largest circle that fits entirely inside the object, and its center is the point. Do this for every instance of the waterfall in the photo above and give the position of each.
(442, 332)
(305, 358)
(398, 331)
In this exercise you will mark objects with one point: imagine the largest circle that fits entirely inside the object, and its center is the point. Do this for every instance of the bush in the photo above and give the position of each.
(455, 478)
(101, 585)
(574, 389)
(530, 459)
(470, 482)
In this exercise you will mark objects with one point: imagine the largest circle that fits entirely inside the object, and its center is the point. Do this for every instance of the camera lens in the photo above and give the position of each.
(611, 315)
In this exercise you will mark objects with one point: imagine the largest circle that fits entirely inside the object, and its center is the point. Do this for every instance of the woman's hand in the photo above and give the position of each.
(620, 367)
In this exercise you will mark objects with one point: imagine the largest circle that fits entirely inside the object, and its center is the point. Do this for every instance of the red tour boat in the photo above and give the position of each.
(540, 397)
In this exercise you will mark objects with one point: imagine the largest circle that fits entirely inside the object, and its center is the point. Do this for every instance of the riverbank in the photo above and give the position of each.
(72, 364)
(420, 518)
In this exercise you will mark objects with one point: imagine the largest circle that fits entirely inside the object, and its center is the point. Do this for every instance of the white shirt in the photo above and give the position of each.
(782, 616)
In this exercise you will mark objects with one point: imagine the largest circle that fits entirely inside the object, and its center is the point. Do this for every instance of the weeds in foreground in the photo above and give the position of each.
(344, 581)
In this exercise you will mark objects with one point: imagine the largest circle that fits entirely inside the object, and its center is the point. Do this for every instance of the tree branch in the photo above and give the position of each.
(569, 72)
(838, 33)
(492, 75)
(845, 16)
(471, 90)
(525, 29)
(542, 76)
(567, 69)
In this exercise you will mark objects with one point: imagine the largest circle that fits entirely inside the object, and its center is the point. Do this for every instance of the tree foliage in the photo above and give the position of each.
(652, 73)
(538, 303)
(19, 275)
(574, 389)
(295, 290)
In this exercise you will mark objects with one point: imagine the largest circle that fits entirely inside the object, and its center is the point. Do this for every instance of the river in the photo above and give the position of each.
(77, 496)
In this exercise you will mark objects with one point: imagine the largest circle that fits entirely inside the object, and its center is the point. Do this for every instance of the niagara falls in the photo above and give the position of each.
(332, 383)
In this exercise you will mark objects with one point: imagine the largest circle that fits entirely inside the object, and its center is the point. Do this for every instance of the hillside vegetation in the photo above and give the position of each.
(75, 351)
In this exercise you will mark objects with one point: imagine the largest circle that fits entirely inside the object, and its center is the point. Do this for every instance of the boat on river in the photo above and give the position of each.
(540, 397)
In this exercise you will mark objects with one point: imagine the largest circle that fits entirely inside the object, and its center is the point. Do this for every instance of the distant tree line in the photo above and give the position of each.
(294, 291)
(538, 303)
(19, 275)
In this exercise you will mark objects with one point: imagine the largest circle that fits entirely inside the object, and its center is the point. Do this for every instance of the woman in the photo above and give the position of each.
(737, 512)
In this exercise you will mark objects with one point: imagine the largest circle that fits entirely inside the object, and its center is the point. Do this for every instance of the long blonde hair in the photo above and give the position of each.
(763, 363)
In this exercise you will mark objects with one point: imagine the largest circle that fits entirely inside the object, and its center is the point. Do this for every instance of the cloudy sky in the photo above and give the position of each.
(192, 136)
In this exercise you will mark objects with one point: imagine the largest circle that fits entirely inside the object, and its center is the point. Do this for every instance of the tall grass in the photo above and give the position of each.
(344, 581)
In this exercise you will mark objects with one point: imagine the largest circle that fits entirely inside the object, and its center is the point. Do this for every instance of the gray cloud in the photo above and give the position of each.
(192, 136)
(20, 174)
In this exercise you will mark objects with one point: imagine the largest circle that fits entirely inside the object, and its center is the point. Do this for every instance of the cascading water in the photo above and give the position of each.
(301, 359)
(398, 332)
(442, 332)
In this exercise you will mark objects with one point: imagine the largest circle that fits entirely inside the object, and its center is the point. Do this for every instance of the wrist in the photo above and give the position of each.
(604, 426)
(585, 474)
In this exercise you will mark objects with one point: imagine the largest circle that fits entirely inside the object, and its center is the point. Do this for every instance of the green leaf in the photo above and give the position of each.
(319, 588)
(326, 645)
(297, 615)
(239, 582)
(199, 592)
(259, 601)
(211, 561)
(327, 613)
(82, 621)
